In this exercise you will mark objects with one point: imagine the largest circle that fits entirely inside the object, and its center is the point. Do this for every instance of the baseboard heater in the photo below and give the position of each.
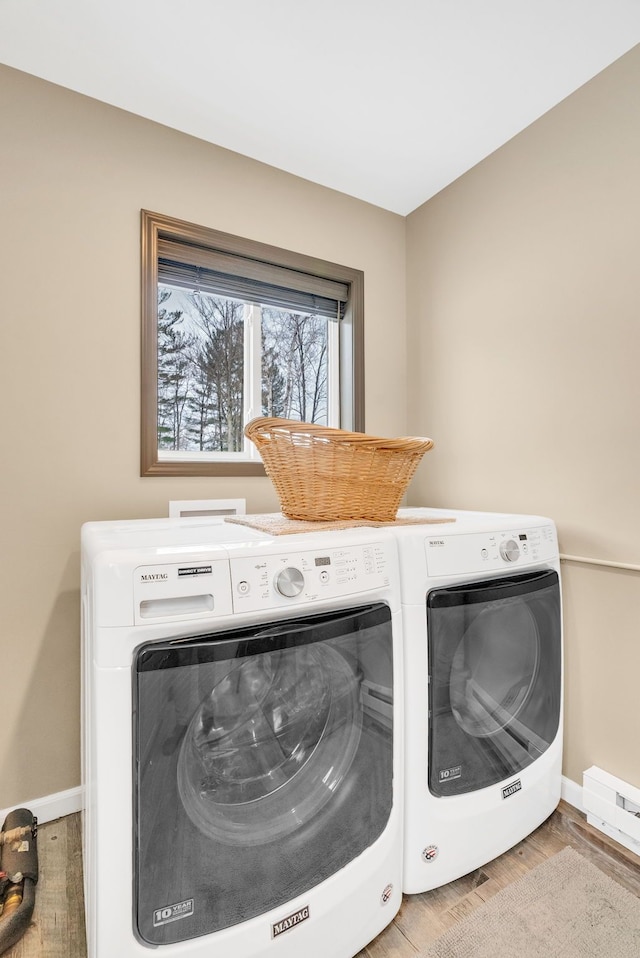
(613, 806)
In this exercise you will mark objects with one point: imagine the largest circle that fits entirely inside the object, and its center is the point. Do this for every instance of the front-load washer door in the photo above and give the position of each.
(495, 663)
(263, 765)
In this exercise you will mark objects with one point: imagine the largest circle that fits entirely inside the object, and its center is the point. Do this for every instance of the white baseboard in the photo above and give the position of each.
(50, 807)
(572, 793)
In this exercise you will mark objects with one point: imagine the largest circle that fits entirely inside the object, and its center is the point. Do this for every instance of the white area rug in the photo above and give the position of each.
(564, 908)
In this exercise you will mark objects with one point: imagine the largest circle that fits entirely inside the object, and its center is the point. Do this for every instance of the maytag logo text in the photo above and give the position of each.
(509, 790)
(290, 921)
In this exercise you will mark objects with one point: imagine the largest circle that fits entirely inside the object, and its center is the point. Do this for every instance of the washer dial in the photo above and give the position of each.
(510, 550)
(289, 582)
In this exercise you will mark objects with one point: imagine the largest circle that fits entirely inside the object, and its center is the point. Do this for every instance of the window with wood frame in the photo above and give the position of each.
(233, 329)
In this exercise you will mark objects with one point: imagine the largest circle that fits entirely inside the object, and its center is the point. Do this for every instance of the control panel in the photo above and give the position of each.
(490, 551)
(274, 581)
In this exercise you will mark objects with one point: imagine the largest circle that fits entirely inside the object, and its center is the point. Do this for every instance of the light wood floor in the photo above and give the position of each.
(57, 930)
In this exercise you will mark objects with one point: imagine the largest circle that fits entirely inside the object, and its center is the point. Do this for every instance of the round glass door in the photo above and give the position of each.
(494, 668)
(495, 673)
(270, 744)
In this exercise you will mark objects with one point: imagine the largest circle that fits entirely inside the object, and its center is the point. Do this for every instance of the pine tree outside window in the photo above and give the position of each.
(233, 329)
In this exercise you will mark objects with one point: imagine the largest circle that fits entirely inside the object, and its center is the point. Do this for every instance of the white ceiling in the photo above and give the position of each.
(385, 101)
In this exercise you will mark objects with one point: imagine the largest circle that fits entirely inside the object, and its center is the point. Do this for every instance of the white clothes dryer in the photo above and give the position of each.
(481, 609)
(242, 740)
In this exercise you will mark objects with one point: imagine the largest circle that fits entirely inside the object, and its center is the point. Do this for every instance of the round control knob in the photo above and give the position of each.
(510, 550)
(289, 582)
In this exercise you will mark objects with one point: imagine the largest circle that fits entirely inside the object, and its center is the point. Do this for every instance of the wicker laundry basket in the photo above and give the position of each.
(326, 474)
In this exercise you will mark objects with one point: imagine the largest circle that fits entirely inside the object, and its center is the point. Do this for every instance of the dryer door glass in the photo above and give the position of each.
(494, 679)
(263, 765)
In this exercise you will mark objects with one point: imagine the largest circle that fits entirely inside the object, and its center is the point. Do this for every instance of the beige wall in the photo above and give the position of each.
(74, 175)
(522, 352)
(524, 341)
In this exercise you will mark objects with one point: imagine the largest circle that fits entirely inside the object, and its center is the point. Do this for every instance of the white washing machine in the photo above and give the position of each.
(242, 740)
(481, 608)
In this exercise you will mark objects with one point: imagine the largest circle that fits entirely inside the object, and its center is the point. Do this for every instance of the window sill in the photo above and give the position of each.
(184, 467)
